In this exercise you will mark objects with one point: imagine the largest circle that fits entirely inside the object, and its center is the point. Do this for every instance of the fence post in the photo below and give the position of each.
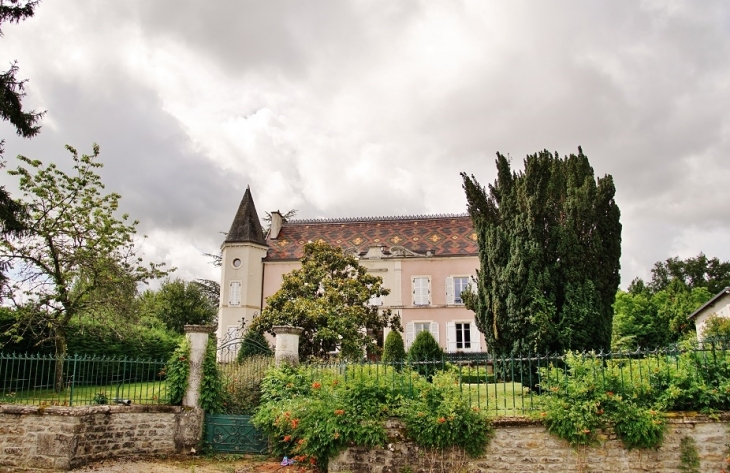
(287, 344)
(198, 338)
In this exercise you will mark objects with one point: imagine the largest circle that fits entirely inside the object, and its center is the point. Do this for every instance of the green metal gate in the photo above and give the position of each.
(226, 433)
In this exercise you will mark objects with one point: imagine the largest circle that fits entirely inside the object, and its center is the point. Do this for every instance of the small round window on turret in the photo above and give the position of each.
(236, 263)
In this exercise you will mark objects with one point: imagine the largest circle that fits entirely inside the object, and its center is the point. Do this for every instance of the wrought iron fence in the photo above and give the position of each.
(81, 380)
(512, 384)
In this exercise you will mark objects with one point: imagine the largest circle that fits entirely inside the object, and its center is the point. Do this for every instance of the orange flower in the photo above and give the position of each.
(301, 441)
(609, 393)
(543, 414)
(586, 431)
(287, 438)
(339, 412)
(316, 385)
(475, 409)
(335, 382)
(287, 414)
(294, 423)
(441, 420)
(336, 436)
(599, 411)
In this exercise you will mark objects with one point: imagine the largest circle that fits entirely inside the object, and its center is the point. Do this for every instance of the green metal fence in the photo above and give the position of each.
(81, 380)
(512, 385)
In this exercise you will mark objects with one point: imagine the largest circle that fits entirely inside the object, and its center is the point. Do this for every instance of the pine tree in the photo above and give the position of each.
(549, 248)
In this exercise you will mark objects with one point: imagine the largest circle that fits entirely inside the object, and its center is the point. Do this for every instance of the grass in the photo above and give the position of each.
(139, 393)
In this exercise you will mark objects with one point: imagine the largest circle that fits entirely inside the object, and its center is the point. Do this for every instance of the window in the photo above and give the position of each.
(455, 285)
(414, 328)
(234, 297)
(463, 336)
(421, 290)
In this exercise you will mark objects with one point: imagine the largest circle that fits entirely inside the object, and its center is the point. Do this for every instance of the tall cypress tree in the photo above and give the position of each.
(549, 248)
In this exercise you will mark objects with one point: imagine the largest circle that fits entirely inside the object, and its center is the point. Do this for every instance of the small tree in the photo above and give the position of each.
(253, 343)
(329, 297)
(75, 255)
(425, 354)
(178, 303)
(393, 350)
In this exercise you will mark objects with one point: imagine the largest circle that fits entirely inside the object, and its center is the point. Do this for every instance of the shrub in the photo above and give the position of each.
(178, 370)
(584, 397)
(425, 354)
(441, 418)
(253, 344)
(312, 415)
(213, 397)
(393, 349)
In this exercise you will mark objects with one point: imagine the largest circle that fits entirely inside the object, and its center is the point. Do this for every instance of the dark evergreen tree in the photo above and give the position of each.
(253, 344)
(549, 248)
(425, 354)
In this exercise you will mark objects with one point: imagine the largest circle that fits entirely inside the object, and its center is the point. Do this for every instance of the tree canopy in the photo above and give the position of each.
(549, 249)
(75, 255)
(178, 303)
(329, 298)
(700, 271)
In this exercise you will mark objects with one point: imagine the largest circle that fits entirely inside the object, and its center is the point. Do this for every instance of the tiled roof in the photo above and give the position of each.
(442, 234)
(246, 226)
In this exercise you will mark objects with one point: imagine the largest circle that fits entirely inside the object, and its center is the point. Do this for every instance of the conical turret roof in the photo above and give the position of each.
(246, 227)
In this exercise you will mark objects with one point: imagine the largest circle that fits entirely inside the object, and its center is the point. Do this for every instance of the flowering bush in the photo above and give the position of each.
(315, 414)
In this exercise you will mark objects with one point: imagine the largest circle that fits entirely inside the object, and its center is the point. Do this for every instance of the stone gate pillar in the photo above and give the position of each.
(287, 344)
(198, 337)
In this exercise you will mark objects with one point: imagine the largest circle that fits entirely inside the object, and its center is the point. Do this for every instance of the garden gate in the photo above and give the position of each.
(242, 363)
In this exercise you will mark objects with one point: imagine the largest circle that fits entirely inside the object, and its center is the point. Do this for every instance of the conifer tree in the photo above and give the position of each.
(549, 248)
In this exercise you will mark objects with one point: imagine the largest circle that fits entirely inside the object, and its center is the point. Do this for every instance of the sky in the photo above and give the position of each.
(372, 108)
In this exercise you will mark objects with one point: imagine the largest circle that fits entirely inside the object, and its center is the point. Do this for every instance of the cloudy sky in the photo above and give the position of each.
(368, 108)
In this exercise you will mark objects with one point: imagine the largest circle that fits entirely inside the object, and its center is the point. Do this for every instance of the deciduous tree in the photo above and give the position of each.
(549, 248)
(75, 255)
(329, 298)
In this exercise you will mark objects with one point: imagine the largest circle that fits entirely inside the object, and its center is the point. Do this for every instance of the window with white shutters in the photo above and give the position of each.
(463, 337)
(421, 290)
(235, 293)
(414, 328)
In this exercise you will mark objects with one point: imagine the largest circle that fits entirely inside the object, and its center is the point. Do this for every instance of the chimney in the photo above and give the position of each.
(276, 221)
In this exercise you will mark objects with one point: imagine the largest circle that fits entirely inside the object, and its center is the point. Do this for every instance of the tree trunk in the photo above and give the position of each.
(61, 347)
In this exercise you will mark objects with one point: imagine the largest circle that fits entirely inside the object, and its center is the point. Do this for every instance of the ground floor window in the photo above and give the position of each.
(463, 336)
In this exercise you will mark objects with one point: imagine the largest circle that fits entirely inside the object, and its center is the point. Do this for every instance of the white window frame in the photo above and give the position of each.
(475, 337)
(411, 334)
(234, 293)
(421, 292)
(451, 298)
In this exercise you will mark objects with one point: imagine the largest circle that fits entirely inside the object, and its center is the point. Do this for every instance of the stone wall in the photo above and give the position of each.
(66, 437)
(521, 445)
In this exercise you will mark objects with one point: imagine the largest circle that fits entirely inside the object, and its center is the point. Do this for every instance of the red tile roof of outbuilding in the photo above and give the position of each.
(445, 235)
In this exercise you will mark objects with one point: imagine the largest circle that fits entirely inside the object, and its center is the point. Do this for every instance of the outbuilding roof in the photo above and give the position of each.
(709, 303)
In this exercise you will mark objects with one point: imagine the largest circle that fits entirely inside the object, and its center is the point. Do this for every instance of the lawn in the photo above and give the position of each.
(154, 392)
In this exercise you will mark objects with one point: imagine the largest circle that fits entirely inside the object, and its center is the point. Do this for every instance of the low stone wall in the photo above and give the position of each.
(521, 445)
(67, 437)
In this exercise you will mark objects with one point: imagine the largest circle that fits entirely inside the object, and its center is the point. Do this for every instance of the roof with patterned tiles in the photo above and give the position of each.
(443, 235)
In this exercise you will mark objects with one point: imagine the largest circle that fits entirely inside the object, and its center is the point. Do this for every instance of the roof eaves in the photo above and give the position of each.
(709, 303)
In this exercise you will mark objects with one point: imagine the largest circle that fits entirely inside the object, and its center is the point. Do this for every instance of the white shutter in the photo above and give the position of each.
(450, 290)
(476, 338)
(235, 293)
(435, 330)
(375, 300)
(421, 291)
(409, 334)
(451, 337)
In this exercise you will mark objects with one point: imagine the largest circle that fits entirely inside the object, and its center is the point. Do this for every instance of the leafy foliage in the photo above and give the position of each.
(440, 418)
(581, 399)
(178, 303)
(694, 272)
(329, 298)
(655, 319)
(549, 246)
(243, 383)
(393, 350)
(213, 397)
(313, 415)
(178, 371)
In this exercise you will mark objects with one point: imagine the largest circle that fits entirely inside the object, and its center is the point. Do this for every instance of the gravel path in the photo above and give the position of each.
(182, 464)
